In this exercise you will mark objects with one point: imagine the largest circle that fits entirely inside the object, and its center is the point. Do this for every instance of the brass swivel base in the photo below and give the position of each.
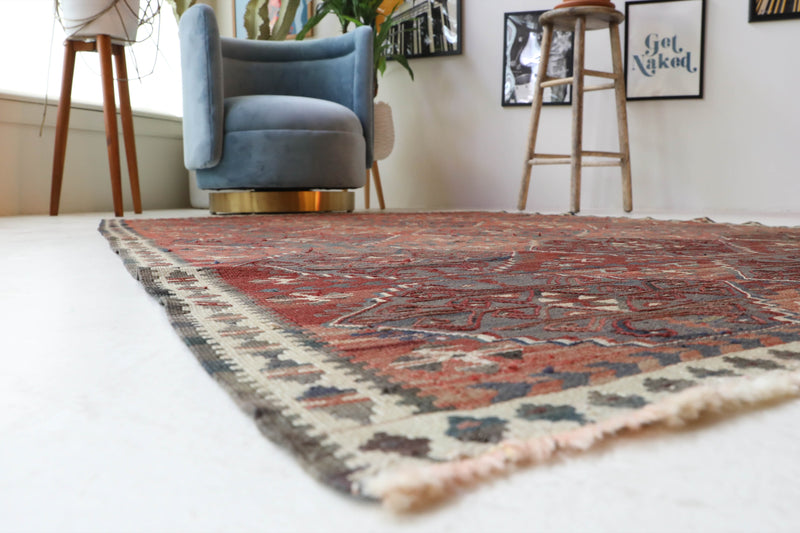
(240, 202)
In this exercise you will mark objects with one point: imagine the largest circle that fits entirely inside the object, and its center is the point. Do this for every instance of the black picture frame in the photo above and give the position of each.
(764, 10)
(522, 36)
(664, 49)
(427, 28)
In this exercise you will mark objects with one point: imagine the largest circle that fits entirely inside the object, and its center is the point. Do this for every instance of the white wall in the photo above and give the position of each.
(457, 147)
(27, 157)
(734, 151)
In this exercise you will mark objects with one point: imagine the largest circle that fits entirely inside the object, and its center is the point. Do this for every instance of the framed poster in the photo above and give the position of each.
(761, 10)
(300, 18)
(522, 50)
(664, 42)
(426, 28)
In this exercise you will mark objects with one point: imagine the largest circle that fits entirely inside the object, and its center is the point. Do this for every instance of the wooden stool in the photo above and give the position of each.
(580, 19)
(106, 49)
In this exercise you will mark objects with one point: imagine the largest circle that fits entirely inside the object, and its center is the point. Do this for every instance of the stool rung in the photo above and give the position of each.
(568, 161)
(560, 161)
(602, 87)
(601, 163)
(552, 82)
(599, 74)
(615, 155)
(563, 159)
(551, 156)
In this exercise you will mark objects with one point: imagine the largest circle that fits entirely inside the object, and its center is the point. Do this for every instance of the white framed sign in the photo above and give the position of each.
(664, 42)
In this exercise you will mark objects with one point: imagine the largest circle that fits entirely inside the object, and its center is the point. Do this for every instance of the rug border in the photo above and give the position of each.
(416, 489)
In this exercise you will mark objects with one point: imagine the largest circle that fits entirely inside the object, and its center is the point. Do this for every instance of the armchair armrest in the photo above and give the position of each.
(201, 69)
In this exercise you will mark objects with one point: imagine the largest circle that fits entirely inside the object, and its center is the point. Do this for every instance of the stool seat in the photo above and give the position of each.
(580, 20)
(597, 18)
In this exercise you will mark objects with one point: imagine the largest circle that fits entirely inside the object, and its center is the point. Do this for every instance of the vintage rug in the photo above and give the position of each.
(401, 357)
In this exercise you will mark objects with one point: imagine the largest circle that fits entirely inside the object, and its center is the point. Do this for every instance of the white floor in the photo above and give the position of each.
(108, 424)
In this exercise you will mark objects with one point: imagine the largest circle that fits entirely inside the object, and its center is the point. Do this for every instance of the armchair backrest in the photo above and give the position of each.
(338, 69)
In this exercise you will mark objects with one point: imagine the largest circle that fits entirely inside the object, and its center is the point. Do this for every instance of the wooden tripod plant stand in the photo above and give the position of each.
(106, 48)
(579, 20)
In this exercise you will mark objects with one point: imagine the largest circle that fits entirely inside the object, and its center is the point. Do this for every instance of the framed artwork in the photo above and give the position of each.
(301, 17)
(425, 28)
(761, 10)
(664, 42)
(522, 45)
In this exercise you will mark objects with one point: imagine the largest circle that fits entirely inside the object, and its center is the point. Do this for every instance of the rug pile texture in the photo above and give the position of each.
(401, 357)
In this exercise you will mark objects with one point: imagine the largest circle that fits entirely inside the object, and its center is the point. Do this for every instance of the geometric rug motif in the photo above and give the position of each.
(400, 356)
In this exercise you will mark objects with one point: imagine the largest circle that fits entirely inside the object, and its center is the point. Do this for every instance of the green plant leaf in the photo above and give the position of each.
(403, 60)
(285, 19)
(362, 13)
(256, 19)
(318, 15)
(180, 6)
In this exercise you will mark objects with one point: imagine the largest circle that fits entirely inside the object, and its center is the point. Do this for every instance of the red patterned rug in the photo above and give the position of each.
(403, 356)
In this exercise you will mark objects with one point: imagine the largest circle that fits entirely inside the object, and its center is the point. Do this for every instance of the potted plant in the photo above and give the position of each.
(378, 14)
(373, 13)
(256, 17)
(118, 19)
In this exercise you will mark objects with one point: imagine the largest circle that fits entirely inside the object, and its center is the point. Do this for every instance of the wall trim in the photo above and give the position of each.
(28, 111)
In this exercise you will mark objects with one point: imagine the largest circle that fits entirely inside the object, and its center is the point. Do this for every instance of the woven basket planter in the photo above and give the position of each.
(384, 131)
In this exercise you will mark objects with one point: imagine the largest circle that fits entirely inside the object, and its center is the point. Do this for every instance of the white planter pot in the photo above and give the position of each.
(198, 198)
(384, 131)
(118, 19)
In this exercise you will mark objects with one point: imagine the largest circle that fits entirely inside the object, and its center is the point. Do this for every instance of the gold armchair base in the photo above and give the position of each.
(241, 202)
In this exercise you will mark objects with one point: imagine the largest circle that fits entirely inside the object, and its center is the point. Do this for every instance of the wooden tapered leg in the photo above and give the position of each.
(622, 119)
(110, 116)
(126, 115)
(62, 126)
(577, 114)
(366, 192)
(376, 175)
(536, 111)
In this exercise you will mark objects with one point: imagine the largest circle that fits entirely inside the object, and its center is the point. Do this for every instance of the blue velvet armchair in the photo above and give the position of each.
(275, 116)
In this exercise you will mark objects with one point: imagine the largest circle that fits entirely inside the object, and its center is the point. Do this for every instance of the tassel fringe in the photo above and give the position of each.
(422, 487)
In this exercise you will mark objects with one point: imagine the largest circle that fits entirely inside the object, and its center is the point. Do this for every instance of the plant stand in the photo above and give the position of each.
(106, 48)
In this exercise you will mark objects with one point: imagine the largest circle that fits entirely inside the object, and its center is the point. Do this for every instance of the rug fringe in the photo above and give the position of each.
(422, 487)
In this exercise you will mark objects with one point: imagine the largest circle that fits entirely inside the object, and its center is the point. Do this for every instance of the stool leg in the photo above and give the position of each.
(62, 126)
(127, 124)
(110, 115)
(622, 119)
(366, 192)
(376, 175)
(536, 111)
(577, 114)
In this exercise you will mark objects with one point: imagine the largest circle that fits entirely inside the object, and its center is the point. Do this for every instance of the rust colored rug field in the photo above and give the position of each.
(402, 356)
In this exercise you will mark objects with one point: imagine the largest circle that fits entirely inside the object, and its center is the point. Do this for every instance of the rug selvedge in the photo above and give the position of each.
(388, 404)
